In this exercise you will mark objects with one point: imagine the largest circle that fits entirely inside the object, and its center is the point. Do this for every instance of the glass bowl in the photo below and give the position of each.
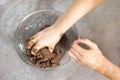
(31, 24)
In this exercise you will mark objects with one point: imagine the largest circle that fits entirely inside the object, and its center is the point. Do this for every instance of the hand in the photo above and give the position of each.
(91, 57)
(45, 38)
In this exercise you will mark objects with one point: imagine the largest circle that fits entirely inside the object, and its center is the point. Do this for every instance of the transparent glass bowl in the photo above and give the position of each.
(31, 24)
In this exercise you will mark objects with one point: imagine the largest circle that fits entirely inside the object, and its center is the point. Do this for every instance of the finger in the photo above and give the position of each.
(51, 49)
(32, 37)
(75, 51)
(87, 42)
(36, 48)
(73, 57)
(29, 44)
(31, 41)
(77, 47)
(76, 54)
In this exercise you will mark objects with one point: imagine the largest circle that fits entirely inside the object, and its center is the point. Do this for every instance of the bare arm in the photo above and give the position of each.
(50, 36)
(109, 70)
(94, 59)
(76, 11)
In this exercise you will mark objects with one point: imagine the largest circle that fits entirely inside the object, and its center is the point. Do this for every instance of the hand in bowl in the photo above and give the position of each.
(48, 37)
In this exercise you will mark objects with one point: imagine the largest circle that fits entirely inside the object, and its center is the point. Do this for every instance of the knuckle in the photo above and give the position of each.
(73, 45)
(78, 39)
(31, 37)
(85, 39)
(31, 42)
(38, 42)
(94, 45)
(74, 42)
(34, 50)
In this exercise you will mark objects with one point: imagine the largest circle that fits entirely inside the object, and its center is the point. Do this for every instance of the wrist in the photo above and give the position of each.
(102, 66)
(109, 70)
(58, 29)
(53, 30)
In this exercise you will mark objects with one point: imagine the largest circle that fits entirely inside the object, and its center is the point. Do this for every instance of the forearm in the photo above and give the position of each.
(109, 70)
(77, 10)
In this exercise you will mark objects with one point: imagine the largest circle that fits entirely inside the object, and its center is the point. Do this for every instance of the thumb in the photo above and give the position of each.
(36, 48)
(51, 48)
